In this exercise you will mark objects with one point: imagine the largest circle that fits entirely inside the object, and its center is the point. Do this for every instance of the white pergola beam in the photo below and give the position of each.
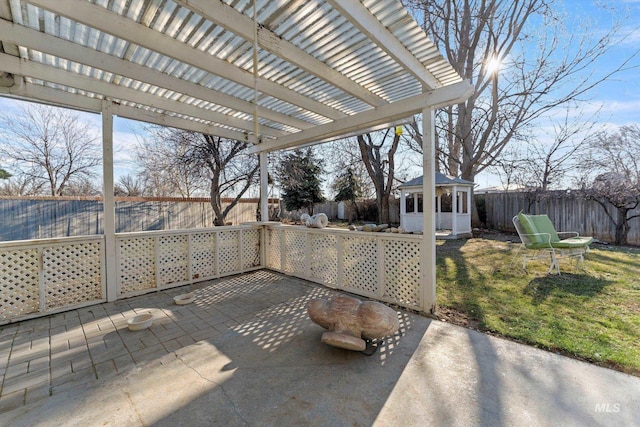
(5, 14)
(241, 25)
(61, 98)
(161, 119)
(434, 99)
(368, 24)
(43, 72)
(61, 48)
(58, 98)
(127, 29)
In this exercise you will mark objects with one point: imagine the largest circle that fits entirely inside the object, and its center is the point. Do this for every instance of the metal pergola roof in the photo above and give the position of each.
(277, 73)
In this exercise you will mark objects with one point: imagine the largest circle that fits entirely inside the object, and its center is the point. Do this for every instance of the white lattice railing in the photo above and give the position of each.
(383, 266)
(45, 276)
(155, 260)
(40, 277)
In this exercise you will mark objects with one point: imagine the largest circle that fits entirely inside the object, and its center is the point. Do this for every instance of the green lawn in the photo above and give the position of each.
(592, 314)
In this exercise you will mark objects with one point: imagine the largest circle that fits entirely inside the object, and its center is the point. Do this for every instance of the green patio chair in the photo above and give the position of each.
(540, 240)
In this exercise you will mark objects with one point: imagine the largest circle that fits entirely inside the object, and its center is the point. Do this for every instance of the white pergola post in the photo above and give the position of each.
(109, 204)
(428, 252)
(264, 187)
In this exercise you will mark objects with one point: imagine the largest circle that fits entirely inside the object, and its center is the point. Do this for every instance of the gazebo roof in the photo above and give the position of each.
(277, 73)
(442, 180)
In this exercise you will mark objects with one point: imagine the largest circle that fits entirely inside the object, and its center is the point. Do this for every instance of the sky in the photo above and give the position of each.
(617, 100)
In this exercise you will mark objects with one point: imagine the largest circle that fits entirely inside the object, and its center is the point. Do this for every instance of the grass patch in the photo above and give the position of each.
(592, 315)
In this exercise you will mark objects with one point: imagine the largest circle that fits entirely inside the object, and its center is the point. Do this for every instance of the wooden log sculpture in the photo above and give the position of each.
(349, 320)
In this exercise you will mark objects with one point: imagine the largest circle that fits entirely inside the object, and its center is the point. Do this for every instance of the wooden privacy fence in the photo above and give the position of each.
(567, 210)
(24, 218)
(332, 210)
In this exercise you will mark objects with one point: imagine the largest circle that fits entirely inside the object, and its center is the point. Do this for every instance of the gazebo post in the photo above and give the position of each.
(469, 207)
(438, 211)
(109, 204)
(454, 212)
(428, 252)
(264, 187)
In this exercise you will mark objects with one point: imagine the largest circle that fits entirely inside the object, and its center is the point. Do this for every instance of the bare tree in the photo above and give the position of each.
(129, 186)
(549, 160)
(230, 169)
(180, 162)
(163, 172)
(49, 146)
(612, 176)
(21, 186)
(480, 36)
(378, 156)
(82, 187)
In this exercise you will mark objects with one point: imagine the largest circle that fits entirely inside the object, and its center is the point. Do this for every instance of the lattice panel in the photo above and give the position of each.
(294, 248)
(250, 248)
(72, 274)
(402, 271)
(137, 264)
(324, 258)
(361, 264)
(173, 259)
(273, 250)
(228, 251)
(19, 291)
(203, 255)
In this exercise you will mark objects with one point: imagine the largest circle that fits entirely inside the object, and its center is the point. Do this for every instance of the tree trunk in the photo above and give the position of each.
(622, 227)
(216, 204)
(384, 210)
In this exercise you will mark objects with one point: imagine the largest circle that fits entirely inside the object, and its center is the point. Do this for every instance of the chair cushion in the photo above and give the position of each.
(530, 228)
(543, 224)
(573, 242)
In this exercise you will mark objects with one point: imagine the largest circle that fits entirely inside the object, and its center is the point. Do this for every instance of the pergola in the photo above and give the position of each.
(276, 73)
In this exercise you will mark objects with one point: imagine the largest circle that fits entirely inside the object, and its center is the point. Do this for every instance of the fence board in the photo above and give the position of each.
(568, 212)
(24, 218)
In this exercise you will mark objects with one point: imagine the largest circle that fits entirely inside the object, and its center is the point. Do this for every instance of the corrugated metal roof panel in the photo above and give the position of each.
(329, 40)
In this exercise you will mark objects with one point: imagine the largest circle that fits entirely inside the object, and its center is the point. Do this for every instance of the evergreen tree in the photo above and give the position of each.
(4, 174)
(348, 189)
(299, 177)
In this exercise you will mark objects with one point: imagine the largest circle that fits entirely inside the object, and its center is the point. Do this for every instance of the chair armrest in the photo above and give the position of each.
(546, 237)
(573, 233)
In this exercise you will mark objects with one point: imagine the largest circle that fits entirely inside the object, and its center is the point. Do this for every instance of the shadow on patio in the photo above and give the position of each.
(245, 353)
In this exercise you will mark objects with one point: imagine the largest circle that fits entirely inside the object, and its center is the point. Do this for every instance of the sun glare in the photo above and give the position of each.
(493, 65)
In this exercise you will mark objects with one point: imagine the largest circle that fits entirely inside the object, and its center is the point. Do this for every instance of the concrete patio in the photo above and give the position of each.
(245, 353)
